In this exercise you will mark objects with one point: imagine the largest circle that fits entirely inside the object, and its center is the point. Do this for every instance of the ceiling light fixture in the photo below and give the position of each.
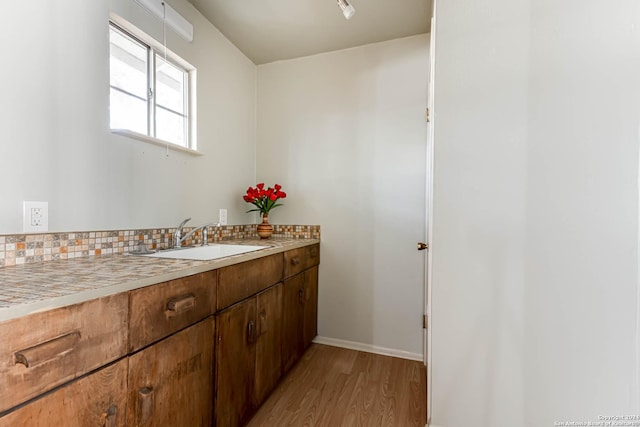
(347, 10)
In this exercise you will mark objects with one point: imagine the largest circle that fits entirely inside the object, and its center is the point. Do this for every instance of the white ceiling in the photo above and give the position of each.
(271, 30)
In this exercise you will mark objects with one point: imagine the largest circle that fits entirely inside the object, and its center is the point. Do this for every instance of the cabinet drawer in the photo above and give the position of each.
(99, 399)
(160, 310)
(297, 260)
(44, 350)
(312, 256)
(240, 281)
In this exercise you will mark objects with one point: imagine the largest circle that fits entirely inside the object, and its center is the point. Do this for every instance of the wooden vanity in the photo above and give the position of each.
(201, 350)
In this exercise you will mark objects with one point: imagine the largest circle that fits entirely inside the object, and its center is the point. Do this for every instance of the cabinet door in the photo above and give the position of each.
(171, 382)
(268, 345)
(310, 320)
(98, 399)
(292, 319)
(235, 364)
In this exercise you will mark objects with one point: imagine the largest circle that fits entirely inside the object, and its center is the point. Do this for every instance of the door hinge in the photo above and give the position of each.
(425, 321)
(427, 116)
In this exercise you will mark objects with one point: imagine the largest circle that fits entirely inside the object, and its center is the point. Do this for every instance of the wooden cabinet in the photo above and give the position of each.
(246, 279)
(310, 307)
(269, 342)
(99, 399)
(146, 357)
(44, 350)
(300, 315)
(300, 259)
(235, 362)
(159, 310)
(171, 382)
(248, 360)
(263, 334)
(292, 318)
(300, 303)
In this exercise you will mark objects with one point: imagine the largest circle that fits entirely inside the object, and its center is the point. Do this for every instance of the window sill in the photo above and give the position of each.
(155, 141)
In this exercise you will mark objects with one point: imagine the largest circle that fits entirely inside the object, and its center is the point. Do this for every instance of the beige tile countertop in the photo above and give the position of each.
(30, 288)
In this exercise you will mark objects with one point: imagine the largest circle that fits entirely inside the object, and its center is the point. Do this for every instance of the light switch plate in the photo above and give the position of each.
(35, 216)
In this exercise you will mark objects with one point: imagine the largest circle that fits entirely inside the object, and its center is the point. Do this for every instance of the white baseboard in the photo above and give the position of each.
(368, 348)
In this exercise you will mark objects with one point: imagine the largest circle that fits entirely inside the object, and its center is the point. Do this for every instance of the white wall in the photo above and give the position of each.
(535, 245)
(55, 120)
(344, 133)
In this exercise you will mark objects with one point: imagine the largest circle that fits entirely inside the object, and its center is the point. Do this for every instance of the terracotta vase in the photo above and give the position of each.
(265, 230)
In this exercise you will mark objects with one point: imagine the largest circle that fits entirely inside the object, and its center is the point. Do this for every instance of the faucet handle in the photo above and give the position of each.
(183, 223)
(205, 232)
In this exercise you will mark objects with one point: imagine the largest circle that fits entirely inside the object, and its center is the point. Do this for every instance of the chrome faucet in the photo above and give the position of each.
(179, 239)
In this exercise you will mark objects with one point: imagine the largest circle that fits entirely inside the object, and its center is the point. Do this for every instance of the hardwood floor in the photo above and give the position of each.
(333, 386)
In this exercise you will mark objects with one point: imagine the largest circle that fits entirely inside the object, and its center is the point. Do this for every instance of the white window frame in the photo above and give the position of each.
(155, 50)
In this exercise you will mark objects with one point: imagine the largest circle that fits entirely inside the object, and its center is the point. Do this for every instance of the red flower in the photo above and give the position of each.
(264, 199)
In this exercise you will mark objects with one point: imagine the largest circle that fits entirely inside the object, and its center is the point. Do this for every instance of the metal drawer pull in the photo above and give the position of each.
(295, 261)
(181, 304)
(145, 396)
(47, 351)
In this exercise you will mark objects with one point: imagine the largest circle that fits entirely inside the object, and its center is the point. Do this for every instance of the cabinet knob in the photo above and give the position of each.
(422, 246)
(295, 260)
(301, 295)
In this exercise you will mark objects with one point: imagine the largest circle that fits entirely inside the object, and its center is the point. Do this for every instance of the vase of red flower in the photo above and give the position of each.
(264, 200)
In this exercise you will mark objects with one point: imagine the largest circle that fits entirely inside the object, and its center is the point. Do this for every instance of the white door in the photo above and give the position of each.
(429, 200)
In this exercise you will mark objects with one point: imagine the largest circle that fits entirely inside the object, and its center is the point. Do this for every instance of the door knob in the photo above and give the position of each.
(422, 246)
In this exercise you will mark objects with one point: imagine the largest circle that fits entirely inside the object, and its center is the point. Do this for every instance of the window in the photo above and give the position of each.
(149, 93)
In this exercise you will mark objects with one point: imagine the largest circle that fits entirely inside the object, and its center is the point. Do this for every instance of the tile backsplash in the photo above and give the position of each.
(16, 249)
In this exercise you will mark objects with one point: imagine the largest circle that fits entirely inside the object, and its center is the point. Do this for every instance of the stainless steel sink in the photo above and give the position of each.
(205, 253)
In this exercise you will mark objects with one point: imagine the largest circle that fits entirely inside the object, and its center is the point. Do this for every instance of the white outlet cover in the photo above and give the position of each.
(42, 220)
(223, 217)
